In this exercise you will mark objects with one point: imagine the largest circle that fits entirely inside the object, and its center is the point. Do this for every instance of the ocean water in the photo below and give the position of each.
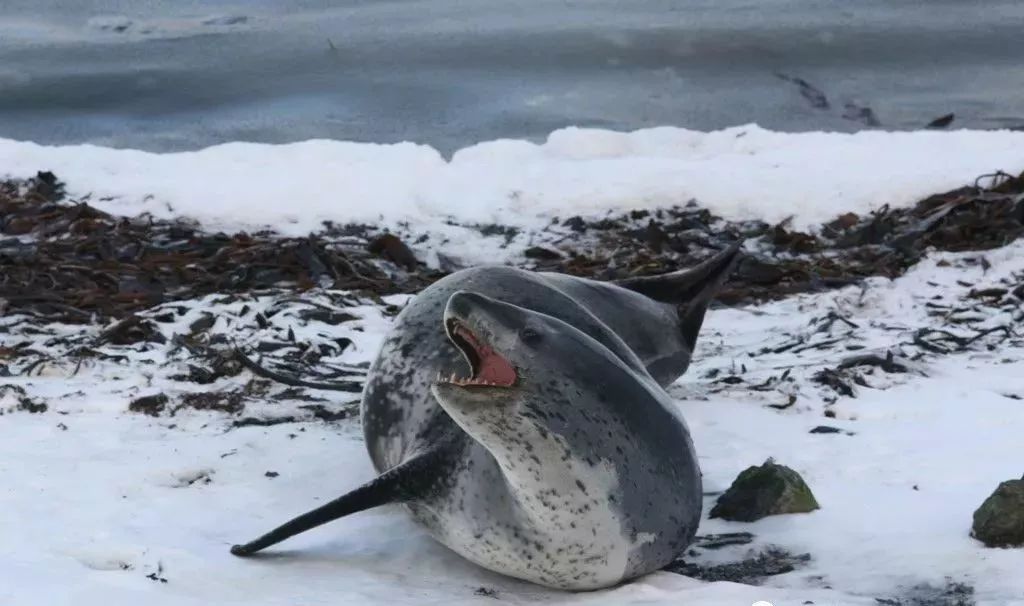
(177, 74)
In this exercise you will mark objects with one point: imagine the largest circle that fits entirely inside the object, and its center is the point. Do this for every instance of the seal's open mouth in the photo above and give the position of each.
(487, 367)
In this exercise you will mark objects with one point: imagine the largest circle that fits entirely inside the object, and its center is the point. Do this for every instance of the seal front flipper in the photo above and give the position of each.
(403, 482)
(691, 289)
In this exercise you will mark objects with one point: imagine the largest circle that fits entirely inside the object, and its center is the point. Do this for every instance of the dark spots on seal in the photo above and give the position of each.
(581, 486)
(406, 349)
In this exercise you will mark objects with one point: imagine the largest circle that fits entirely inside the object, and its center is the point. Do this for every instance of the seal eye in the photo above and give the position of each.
(530, 336)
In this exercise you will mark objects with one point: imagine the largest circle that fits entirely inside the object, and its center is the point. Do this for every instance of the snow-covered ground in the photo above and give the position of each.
(105, 506)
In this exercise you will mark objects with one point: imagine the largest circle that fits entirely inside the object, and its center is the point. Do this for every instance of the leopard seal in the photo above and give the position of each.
(558, 457)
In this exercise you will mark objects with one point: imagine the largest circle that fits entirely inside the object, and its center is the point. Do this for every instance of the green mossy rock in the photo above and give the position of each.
(767, 490)
(999, 522)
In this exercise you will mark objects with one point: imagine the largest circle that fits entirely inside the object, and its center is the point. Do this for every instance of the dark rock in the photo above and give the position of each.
(541, 253)
(770, 489)
(150, 405)
(999, 522)
(271, 474)
(826, 429)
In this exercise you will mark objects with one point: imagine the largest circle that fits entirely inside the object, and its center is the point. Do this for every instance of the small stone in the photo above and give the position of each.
(770, 489)
(544, 254)
(826, 429)
(999, 522)
(271, 474)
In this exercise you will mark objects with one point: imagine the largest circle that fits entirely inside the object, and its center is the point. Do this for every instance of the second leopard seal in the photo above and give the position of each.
(558, 458)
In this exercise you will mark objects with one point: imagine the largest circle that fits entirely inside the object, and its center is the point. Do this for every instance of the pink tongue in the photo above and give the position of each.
(494, 368)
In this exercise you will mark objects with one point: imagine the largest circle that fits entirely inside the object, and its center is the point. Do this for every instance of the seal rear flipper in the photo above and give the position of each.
(691, 289)
(401, 483)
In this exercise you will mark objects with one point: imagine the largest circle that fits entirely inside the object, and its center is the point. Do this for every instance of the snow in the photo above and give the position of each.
(107, 503)
(743, 172)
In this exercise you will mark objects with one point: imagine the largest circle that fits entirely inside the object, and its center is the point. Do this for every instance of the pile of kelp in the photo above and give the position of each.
(68, 261)
(885, 242)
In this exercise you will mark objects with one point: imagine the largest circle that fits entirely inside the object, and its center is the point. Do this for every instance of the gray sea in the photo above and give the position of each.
(180, 74)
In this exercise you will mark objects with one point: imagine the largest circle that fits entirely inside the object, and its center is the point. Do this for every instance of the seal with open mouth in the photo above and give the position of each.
(521, 419)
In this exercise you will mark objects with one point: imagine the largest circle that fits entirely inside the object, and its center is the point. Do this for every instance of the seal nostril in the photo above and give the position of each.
(530, 336)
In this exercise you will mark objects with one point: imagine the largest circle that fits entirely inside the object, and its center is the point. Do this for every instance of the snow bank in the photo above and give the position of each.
(742, 172)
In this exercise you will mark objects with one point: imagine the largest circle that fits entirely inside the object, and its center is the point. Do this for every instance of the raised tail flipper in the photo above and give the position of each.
(691, 289)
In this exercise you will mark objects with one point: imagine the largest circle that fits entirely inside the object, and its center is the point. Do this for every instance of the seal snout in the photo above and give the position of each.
(462, 319)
